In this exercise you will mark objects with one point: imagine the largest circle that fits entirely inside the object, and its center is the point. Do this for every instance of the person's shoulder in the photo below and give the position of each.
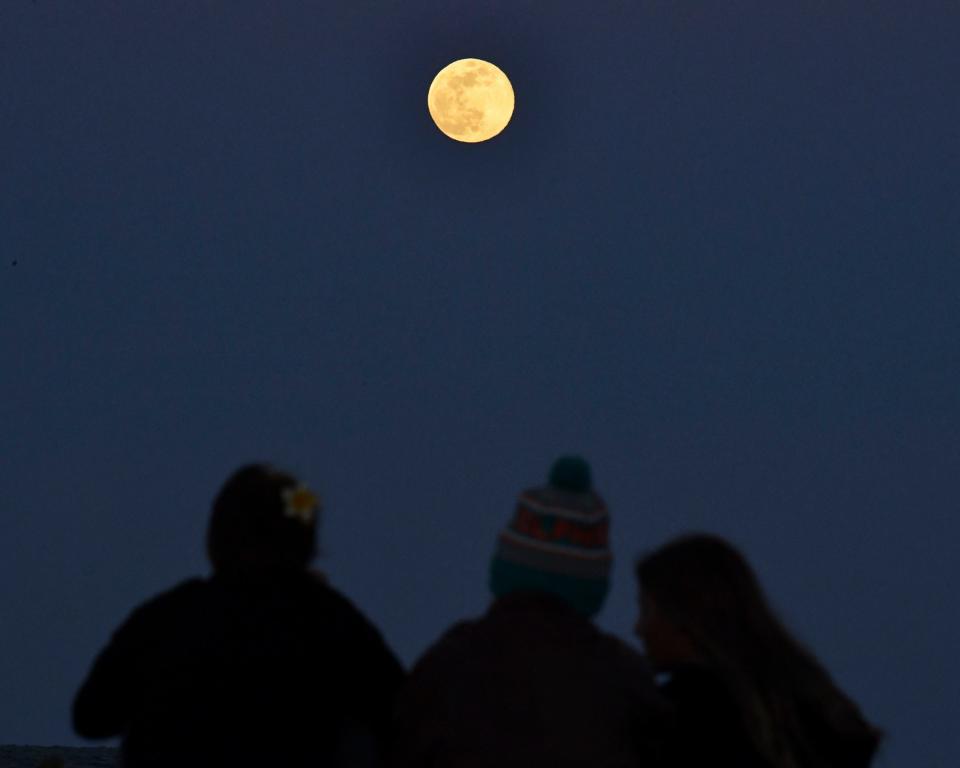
(462, 640)
(332, 608)
(187, 588)
(330, 599)
(463, 632)
(345, 628)
(159, 608)
(187, 591)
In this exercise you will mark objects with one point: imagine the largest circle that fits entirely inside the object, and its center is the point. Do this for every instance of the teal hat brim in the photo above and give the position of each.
(584, 595)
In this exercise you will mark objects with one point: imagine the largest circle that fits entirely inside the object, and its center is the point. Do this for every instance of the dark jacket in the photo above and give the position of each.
(710, 730)
(531, 683)
(240, 673)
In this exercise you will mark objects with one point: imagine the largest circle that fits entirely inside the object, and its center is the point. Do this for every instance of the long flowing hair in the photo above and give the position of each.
(793, 712)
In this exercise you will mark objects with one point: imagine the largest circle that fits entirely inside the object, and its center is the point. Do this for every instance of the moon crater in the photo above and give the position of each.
(471, 100)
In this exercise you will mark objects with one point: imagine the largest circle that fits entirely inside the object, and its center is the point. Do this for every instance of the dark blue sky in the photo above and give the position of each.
(716, 251)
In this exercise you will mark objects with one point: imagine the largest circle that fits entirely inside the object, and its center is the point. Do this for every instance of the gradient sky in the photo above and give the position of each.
(716, 252)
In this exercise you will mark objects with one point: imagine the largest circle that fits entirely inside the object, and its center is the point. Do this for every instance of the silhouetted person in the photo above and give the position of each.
(262, 664)
(533, 683)
(746, 693)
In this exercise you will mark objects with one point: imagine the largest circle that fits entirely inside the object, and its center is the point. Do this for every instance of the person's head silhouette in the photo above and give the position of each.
(702, 603)
(263, 521)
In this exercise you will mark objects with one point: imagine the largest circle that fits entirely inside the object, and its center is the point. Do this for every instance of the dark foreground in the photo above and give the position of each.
(73, 757)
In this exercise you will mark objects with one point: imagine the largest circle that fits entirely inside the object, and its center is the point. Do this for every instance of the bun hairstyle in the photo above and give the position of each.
(263, 521)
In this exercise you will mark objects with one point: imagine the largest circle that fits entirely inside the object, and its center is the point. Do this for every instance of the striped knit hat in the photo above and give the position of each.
(557, 541)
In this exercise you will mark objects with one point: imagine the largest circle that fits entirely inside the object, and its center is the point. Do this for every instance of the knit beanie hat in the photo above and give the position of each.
(263, 520)
(557, 541)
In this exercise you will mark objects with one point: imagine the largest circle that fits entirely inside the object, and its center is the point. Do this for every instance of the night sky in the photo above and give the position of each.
(715, 252)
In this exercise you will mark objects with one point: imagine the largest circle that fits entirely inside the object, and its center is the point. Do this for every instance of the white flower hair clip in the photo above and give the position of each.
(300, 503)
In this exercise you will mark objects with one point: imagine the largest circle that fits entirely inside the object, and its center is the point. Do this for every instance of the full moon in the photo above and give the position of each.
(470, 100)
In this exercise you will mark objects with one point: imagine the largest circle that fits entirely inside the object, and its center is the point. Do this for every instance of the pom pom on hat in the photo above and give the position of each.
(571, 473)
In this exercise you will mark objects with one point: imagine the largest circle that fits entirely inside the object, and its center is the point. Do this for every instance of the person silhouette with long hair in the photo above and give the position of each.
(746, 693)
(262, 664)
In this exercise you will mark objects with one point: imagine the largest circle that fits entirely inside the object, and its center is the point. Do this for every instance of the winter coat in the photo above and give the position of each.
(238, 673)
(532, 683)
(710, 730)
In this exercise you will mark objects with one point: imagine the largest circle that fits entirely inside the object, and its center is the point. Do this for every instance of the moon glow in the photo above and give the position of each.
(470, 100)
